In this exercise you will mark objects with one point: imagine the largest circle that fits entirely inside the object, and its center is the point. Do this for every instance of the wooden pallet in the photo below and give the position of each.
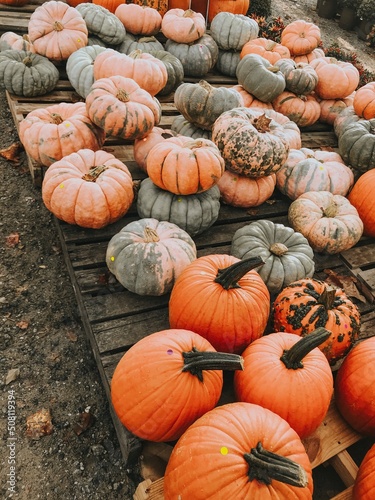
(16, 19)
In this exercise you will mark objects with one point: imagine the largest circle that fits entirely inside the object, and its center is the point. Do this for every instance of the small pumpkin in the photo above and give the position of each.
(307, 304)
(310, 56)
(143, 145)
(183, 26)
(268, 49)
(362, 488)
(183, 127)
(143, 43)
(293, 378)
(148, 255)
(286, 253)
(89, 189)
(237, 450)
(329, 221)
(175, 70)
(362, 198)
(364, 101)
(336, 79)
(304, 110)
(249, 100)
(231, 31)
(301, 37)
(300, 78)
(246, 192)
(233, 6)
(139, 19)
(102, 23)
(356, 143)
(223, 299)
(80, 68)
(11, 40)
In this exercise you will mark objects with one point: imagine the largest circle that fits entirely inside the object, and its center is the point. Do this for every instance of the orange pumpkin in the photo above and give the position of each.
(362, 198)
(336, 79)
(307, 58)
(330, 109)
(306, 304)
(111, 5)
(14, 3)
(87, 188)
(290, 128)
(143, 146)
(160, 5)
(240, 191)
(223, 299)
(121, 108)
(74, 3)
(363, 488)
(269, 49)
(233, 6)
(11, 40)
(304, 110)
(364, 101)
(249, 100)
(301, 37)
(139, 19)
(183, 26)
(48, 134)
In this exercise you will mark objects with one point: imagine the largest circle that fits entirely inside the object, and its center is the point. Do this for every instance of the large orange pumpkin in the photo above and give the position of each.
(363, 199)
(336, 79)
(363, 488)
(223, 299)
(234, 6)
(301, 37)
(364, 101)
(240, 191)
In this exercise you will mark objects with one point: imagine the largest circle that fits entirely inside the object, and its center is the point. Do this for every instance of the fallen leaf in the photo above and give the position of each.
(72, 336)
(39, 424)
(12, 240)
(85, 421)
(12, 375)
(270, 202)
(347, 283)
(12, 152)
(23, 325)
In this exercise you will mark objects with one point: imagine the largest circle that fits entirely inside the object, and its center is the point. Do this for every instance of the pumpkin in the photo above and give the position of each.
(175, 70)
(227, 62)
(87, 188)
(249, 100)
(246, 192)
(201, 103)
(354, 387)
(145, 69)
(364, 101)
(215, 7)
(121, 108)
(336, 79)
(345, 118)
(111, 5)
(290, 128)
(286, 253)
(185, 166)
(239, 450)
(308, 170)
(142, 146)
(131, 43)
(148, 255)
(267, 147)
(193, 213)
(11, 40)
(80, 68)
(160, 5)
(48, 134)
(102, 23)
(362, 198)
(139, 19)
(260, 78)
(198, 57)
(56, 30)
(307, 304)
(183, 26)
(74, 3)
(363, 484)
(300, 78)
(304, 110)
(330, 109)
(223, 299)
(268, 49)
(26, 74)
(329, 221)
(310, 56)
(231, 31)
(188, 370)
(183, 127)
(301, 37)
(293, 378)
(356, 144)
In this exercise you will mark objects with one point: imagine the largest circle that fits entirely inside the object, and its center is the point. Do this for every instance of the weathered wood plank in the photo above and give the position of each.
(360, 256)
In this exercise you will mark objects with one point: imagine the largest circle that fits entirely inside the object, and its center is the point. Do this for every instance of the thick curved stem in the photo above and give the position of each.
(196, 361)
(229, 276)
(292, 358)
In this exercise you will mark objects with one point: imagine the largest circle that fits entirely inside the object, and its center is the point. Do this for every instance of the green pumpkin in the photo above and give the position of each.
(183, 127)
(80, 68)
(356, 142)
(102, 23)
(232, 31)
(300, 78)
(227, 62)
(287, 254)
(194, 213)
(174, 68)
(147, 44)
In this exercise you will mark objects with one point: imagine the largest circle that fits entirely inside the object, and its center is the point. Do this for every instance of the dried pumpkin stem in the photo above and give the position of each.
(265, 465)
(331, 210)
(27, 61)
(229, 276)
(292, 358)
(56, 118)
(327, 297)
(94, 173)
(278, 249)
(122, 95)
(196, 361)
(150, 235)
(57, 26)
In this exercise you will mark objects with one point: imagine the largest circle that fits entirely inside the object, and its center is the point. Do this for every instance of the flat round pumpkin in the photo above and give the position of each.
(80, 68)
(240, 191)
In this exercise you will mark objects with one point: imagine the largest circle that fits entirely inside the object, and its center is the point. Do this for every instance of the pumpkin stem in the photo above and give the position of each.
(273, 69)
(27, 61)
(265, 465)
(331, 210)
(57, 26)
(205, 85)
(56, 118)
(292, 358)
(150, 235)
(94, 173)
(136, 53)
(122, 95)
(262, 123)
(196, 361)
(188, 13)
(144, 39)
(229, 276)
(278, 249)
(327, 297)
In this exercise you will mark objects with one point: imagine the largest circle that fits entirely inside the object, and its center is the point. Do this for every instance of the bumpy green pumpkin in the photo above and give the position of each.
(147, 256)
(232, 31)
(287, 254)
(26, 74)
(193, 213)
(80, 70)
(102, 23)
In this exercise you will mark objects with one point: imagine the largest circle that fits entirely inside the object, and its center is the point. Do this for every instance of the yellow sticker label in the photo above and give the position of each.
(112, 258)
(61, 186)
(224, 450)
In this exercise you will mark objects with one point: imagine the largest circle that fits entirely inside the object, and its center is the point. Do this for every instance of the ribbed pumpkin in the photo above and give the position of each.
(143, 146)
(310, 56)
(185, 166)
(121, 108)
(286, 253)
(215, 7)
(336, 79)
(148, 255)
(329, 221)
(48, 134)
(231, 31)
(223, 299)
(364, 101)
(143, 43)
(356, 141)
(249, 100)
(56, 30)
(330, 109)
(139, 19)
(269, 49)
(175, 70)
(300, 78)
(301, 37)
(102, 23)
(240, 191)
(363, 488)
(227, 62)
(183, 26)
(87, 188)
(80, 68)
(355, 387)
(237, 451)
(293, 378)
(11, 40)
(304, 110)
(307, 304)
(362, 198)
(183, 127)
(308, 170)
(267, 146)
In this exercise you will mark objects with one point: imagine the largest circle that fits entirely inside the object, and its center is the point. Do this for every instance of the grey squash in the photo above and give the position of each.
(102, 23)
(147, 44)
(80, 68)
(183, 127)
(232, 31)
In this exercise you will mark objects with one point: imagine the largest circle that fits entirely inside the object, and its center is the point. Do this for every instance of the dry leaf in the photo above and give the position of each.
(85, 421)
(12, 152)
(12, 240)
(347, 283)
(39, 424)
(72, 336)
(23, 325)
(270, 202)
(12, 375)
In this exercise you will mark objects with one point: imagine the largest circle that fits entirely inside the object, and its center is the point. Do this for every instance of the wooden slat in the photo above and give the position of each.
(345, 467)
(360, 256)
(344, 495)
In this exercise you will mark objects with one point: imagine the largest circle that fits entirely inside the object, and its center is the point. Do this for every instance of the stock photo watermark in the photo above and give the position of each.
(11, 442)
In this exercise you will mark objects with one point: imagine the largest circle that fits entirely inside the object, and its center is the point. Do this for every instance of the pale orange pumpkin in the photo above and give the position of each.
(249, 100)
(143, 145)
(301, 37)
(336, 79)
(11, 40)
(364, 101)
(240, 191)
(139, 19)
(330, 109)
(307, 58)
(183, 26)
(304, 110)
(269, 49)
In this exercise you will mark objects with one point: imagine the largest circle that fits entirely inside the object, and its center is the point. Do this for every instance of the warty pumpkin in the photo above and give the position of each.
(301, 37)
(364, 101)
(148, 255)
(246, 192)
(231, 31)
(183, 26)
(223, 299)
(286, 253)
(89, 189)
(179, 379)
(268, 49)
(139, 19)
(239, 450)
(362, 198)
(293, 378)
(307, 304)
(290, 128)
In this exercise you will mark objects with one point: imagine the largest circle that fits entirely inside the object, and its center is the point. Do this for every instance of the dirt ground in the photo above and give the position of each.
(43, 344)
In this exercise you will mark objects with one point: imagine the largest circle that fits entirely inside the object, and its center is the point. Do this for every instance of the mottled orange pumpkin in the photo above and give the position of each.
(364, 101)
(301, 37)
(139, 19)
(183, 26)
(304, 110)
(336, 79)
(240, 191)
(87, 188)
(363, 199)
(269, 49)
